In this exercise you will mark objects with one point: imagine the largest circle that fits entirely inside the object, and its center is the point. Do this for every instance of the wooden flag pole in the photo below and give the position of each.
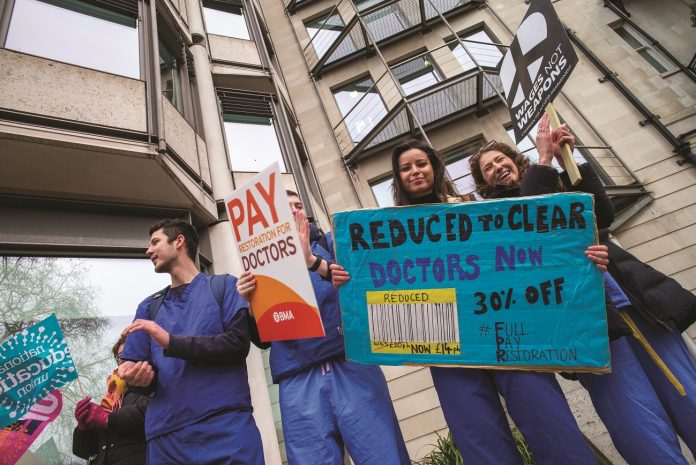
(653, 355)
(570, 165)
(80, 385)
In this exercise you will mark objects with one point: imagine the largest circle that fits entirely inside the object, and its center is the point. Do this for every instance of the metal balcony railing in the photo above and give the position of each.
(345, 31)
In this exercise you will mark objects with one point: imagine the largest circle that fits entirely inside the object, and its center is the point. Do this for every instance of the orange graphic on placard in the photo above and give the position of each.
(282, 314)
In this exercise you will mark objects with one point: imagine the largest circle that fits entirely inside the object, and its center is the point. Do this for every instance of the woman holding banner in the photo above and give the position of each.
(113, 431)
(470, 397)
(639, 406)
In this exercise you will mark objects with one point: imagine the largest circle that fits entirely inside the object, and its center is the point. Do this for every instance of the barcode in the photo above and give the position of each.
(428, 323)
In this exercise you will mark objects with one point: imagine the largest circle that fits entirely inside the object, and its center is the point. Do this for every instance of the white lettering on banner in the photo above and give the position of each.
(12, 379)
(553, 71)
(283, 316)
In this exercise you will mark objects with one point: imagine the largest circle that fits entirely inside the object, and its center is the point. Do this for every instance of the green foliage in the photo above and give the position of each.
(446, 453)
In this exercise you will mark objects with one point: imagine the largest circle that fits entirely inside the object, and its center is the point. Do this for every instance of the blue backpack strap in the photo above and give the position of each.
(217, 287)
(156, 302)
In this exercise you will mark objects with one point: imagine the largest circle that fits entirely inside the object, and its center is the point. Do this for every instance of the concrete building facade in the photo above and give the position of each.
(114, 114)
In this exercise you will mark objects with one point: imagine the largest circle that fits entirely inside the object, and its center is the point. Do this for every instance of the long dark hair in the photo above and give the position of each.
(521, 161)
(442, 186)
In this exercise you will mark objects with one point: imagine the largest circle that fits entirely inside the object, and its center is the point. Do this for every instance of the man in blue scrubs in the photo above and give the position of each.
(191, 353)
(327, 402)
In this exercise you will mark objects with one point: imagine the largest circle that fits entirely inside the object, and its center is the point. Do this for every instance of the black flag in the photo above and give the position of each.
(536, 66)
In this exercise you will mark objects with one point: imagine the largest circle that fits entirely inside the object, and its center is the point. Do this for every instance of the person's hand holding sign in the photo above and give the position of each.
(339, 276)
(549, 142)
(246, 285)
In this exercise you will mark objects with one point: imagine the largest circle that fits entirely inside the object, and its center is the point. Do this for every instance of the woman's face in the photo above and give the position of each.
(416, 173)
(497, 168)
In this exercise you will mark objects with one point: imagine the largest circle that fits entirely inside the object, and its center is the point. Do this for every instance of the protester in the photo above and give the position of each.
(113, 431)
(469, 397)
(327, 402)
(192, 356)
(639, 406)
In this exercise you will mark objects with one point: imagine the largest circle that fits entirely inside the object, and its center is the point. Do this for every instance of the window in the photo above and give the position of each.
(176, 69)
(387, 21)
(487, 56)
(528, 147)
(252, 142)
(225, 20)
(361, 106)
(459, 170)
(78, 33)
(170, 73)
(416, 74)
(324, 31)
(382, 190)
(94, 299)
(643, 46)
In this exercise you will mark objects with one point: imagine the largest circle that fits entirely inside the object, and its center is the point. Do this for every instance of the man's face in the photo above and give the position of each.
(161, 252)
(295, 203)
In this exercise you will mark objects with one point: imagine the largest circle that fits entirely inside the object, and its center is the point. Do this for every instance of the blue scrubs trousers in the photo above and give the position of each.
(641, 409)
(476, 418)
(340, 403)
(231, 438)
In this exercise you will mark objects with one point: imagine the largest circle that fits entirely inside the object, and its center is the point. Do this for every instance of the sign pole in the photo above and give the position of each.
(656, 358)
(570, 165)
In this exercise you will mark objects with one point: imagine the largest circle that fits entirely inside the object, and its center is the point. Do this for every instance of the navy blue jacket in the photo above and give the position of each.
(290, 357)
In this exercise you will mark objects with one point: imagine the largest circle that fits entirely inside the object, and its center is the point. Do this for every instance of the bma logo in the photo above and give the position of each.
(526, 48)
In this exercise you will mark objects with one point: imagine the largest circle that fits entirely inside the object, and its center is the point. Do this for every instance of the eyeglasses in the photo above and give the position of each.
(487, 146)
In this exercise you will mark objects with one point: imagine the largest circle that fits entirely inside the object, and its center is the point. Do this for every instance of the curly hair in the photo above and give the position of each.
(119, 343)
(442, 186)
(521, 161)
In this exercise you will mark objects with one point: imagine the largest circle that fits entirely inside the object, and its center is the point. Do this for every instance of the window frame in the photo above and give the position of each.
(452, 43)
(170, 38)
(340, 88)
(647, 45)
(227, 7)
(435, 70)
(123, 16)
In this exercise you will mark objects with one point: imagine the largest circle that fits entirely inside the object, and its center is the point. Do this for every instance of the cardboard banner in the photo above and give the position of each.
(500, 284)
(266, 237)
(16, 437)
(33, 363)
(535, 67)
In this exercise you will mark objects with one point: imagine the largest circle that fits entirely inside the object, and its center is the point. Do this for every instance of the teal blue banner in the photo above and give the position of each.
(33, 363)
(500, 284)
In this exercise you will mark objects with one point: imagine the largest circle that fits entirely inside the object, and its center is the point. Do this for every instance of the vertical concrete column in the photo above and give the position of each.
(224, 253)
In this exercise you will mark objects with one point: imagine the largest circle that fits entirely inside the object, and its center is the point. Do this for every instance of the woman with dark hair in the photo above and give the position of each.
(636, 402)
(470, 397)
(112, 432)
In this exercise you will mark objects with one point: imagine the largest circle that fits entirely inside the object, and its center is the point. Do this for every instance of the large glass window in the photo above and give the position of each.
(171, 74)
(252, 142)
(644, 47)
(227, 20)
(485, 55)
(94, 300)
(417, 74)
(76, 32)
(324, 31)
(361, 106)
